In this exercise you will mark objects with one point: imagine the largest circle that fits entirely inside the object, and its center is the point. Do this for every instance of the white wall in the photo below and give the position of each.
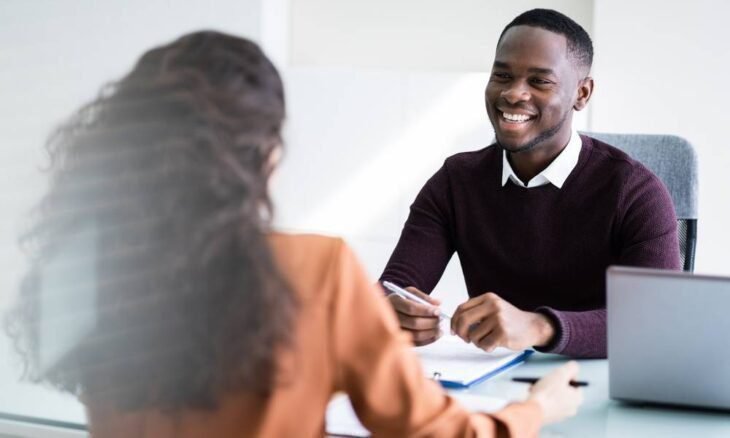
(660, 68)
(360, 144)
(429, 35)
(54, 56)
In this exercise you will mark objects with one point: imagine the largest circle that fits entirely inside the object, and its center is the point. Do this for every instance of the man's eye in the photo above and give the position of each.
(501, 75)
(539, 81)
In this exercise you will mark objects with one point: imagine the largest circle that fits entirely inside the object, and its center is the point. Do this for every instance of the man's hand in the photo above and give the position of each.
(420, 320)
(489, 322)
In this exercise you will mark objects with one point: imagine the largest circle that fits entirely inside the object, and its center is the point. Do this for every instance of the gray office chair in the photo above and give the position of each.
(674, 161)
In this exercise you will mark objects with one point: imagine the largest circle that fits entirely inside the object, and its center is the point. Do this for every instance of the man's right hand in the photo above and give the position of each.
(420, 320)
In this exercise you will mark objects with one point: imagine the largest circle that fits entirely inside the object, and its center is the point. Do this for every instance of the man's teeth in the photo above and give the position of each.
(515, 117)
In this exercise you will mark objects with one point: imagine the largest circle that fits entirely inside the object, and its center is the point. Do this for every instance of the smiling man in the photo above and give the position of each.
(538, 216)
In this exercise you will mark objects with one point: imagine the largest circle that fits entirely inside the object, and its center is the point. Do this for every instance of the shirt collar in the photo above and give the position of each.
(556, 173)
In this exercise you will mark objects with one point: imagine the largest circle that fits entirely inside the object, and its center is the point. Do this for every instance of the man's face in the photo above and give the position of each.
(532, 90)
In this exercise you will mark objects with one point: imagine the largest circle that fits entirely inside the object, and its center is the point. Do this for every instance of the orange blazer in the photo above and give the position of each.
(347, 339)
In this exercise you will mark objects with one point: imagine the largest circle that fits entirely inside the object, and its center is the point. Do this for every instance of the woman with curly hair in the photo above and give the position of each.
(158, 294)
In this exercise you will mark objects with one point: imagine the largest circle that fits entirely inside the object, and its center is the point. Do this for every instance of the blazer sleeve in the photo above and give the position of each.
(378, 369)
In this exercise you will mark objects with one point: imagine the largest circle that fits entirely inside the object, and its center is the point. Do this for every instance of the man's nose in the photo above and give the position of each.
(516, 92)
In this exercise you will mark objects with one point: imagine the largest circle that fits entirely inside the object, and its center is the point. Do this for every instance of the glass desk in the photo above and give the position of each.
(599, 416)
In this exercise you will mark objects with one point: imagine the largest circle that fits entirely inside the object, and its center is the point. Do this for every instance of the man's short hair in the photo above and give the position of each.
(580, 45)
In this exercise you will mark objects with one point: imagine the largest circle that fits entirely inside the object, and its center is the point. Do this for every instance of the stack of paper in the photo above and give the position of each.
(457, 364)
(341, 418)
(342, 421)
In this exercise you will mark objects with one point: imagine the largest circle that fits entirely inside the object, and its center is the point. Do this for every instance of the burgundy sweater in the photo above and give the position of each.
(542, 249)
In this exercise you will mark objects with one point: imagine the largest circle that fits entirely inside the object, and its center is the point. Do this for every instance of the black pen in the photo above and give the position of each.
(532, 380)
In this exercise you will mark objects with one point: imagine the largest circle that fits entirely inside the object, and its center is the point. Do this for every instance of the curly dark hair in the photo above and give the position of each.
(580, 45)
(167, 171)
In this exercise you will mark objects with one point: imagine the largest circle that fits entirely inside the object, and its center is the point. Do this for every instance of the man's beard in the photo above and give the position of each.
(543, 136)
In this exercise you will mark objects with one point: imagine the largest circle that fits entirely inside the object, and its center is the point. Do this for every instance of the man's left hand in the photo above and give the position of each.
(489, 322)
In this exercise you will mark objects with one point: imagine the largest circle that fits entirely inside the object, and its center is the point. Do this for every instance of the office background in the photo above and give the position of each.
(379, 93)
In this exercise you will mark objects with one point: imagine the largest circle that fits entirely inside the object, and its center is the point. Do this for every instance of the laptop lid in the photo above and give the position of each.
(668, 337)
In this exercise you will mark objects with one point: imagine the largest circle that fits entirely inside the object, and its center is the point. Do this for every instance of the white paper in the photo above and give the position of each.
(342, 420)
(451, 359)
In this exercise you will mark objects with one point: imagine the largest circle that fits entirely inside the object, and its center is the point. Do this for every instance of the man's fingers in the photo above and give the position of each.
(424, 337)
(491, 341)
(481, 329)
(417, 323)
(462, 322)
(426, 342)
(477, 301)
(460, 325)
(408, 307)
(425, 296)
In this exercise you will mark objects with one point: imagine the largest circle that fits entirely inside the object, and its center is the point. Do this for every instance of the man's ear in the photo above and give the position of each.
(585, 90)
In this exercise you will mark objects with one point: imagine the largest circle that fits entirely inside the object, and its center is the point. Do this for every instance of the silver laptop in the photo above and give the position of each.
(668, 337)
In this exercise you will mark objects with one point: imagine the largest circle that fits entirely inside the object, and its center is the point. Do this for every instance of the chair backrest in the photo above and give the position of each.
(674, 161)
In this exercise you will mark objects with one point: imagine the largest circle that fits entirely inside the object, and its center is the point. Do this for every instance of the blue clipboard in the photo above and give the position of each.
(509, 365)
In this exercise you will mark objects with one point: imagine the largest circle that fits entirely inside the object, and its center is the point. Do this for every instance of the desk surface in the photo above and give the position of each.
(601, 417)
(598, 417)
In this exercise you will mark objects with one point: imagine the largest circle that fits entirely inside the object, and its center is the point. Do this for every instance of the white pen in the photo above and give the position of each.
(410, 296)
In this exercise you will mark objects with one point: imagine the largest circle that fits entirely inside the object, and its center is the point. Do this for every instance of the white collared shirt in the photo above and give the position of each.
(556, 173)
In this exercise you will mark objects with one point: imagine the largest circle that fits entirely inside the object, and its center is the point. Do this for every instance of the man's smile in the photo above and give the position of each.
(514, 120)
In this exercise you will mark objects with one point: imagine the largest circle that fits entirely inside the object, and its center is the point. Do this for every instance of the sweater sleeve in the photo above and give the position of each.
(646, 236)
(647, 224)
(378, 369)
(426, 243)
